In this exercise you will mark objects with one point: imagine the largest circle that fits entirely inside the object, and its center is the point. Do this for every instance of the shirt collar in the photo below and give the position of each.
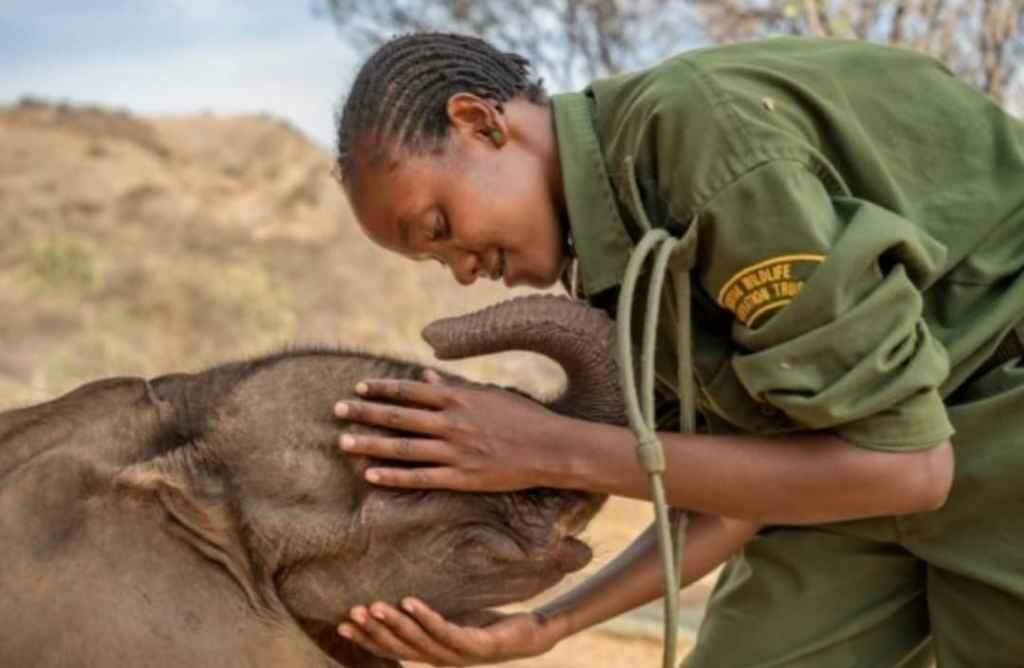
(599, 237)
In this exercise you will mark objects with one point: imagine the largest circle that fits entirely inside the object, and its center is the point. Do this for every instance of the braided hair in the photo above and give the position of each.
(401, 93)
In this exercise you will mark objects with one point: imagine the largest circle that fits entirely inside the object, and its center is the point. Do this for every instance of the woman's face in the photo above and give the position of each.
(484, 206)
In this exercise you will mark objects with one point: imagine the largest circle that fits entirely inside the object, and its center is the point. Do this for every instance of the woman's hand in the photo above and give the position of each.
(417, 633)
(463, 438)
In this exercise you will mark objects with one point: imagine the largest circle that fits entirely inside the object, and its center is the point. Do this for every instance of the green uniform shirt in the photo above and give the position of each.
(859, 220)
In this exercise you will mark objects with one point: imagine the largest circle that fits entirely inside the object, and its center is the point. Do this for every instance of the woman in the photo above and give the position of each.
(855, 219)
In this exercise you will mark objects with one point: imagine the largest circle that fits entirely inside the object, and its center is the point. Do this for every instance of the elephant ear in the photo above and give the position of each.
(345, 652)
(199, 511)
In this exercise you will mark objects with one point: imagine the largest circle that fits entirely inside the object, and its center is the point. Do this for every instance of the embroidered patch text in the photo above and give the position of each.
(766, 286)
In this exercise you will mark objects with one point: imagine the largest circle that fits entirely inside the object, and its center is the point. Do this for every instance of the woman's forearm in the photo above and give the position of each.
(636, 577)
(805, 478)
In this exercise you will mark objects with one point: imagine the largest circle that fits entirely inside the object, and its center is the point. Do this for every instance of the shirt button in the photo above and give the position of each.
(768, 103)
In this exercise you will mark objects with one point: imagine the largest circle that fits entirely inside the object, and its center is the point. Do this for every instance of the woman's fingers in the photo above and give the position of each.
(406, 629)
(468, 642)
(416, 632)
(375, 635)
(353, 632)
(389, 416)
(430, 394)
(404, 448)
(408, 449)
(426, 477)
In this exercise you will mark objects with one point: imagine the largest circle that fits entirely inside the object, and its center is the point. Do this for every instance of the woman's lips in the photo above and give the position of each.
(498, 270)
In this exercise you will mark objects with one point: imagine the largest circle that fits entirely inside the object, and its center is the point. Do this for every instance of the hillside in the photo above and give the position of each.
(146, 245)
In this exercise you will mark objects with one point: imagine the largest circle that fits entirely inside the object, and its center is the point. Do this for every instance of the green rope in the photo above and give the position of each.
(669, 524)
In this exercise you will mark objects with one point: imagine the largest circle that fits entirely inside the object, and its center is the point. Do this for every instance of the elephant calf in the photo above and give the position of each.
(209, 519)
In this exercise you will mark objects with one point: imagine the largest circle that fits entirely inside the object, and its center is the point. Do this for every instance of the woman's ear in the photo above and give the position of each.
(477, 118)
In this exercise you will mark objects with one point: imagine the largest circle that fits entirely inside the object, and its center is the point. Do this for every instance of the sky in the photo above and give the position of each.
(178, 56)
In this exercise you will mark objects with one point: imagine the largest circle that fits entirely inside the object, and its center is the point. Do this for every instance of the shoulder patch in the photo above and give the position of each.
(766, 286)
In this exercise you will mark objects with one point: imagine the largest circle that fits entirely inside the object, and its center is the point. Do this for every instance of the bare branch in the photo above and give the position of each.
(812, 13)
(571, 41)
(868, 17)
(899, 17)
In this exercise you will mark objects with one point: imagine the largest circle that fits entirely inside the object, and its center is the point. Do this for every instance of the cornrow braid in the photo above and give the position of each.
(401, 93)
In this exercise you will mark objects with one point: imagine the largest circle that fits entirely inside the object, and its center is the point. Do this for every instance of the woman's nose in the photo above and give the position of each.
(466, 268)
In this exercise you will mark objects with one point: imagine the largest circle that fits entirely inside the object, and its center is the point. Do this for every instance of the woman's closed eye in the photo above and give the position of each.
(438, 229)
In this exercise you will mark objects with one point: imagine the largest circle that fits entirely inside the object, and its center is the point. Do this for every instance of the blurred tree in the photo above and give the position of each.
(981, 40)
(568, 41)
(571, 41)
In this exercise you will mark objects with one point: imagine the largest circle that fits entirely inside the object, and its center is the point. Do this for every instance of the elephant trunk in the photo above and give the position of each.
(577, 336)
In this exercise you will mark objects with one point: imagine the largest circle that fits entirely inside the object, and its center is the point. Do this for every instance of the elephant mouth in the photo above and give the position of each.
(513, 585)
(572, 554)
(530, 571)
(566, 552)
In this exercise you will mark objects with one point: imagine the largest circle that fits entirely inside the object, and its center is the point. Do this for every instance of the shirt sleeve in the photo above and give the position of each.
(825, 292)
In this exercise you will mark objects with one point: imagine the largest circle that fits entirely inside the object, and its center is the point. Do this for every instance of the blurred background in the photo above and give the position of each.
(166, 198)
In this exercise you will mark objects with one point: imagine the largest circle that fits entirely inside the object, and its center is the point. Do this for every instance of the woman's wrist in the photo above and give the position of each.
(556, 623)
(562, 467)
(592, 457)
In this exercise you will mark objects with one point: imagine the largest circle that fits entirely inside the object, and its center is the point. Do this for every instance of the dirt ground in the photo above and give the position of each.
(142, 246)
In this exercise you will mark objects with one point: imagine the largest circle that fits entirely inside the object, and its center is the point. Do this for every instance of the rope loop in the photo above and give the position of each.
(670, 525)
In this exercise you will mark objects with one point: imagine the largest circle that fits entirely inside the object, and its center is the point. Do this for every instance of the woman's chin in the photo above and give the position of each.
(541, 277)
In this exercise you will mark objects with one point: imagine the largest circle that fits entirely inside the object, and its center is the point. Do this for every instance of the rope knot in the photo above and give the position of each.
(650, 453)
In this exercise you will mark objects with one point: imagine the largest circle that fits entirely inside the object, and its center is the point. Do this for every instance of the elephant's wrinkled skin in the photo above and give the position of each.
(210, 520)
